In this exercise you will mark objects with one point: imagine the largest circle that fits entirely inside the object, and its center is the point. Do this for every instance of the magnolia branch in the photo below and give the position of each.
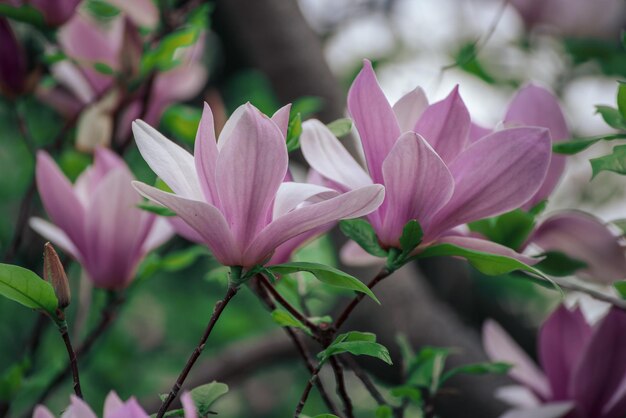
(72, 357)
(217, 312)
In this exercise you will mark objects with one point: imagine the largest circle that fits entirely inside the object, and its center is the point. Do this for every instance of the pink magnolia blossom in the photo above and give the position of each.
(431, 170)
(13, 69)
(96, 220)
(232, 193)
(583, 367)
(114, 407)
(583, 237)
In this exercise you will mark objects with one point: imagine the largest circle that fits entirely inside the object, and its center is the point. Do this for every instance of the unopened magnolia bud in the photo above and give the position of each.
(54, 273)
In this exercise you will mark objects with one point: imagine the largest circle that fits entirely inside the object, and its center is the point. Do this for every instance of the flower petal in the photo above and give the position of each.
(328, 157)
(205, 219)
(112, 403)
(352, 254)
(352, 204)
(189, 406)
(59, 199)
(291, 194)
(281, 118)
(374, 119)
(55, 235)
(477, 132)
(78, 409)
(550, 410)
(496, 174)
(517, 395)
(170, 162)
(229, 126)
(583, 237)
(42, 412)
(160, 232)
(602, 366)
(417, 184)
(250, 168)
(499, 346)
(562, 339)
(446, 126)
(205, 156)
(409, 109)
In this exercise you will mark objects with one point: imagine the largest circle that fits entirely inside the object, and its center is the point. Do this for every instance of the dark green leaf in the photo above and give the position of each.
(340, 127)
(490, 264)
(27, 288)
(615, 162)
(103, 68)
(621, 100)
(477, 369)
(325, 274)
(577, 145)
(426, 368)
(182, 121)
(407, 392)
(384, 411)
(612, 117)
(286, 319)
(325, 416)
(159, 210)
(358, 344)
(307, 105)
(54, 58)
(101, 9)
(538, 208)
(509, 229)
(360, 231)
(559, 264)
(73, 163)
(26, 14)
(620, 286)
(411, 237)
(10, 382)
(204, 396)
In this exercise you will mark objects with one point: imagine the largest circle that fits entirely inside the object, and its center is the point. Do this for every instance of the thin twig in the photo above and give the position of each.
(341, 387)
(219, 308)
(348, 361)
(307, 391)
(384, 273)
(579, 287)
(72, 356)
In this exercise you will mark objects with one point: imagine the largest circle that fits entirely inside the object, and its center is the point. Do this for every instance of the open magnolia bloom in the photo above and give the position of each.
(583, 367)
(96, 220)
(231, 191)
(431, 170)
(114, 407)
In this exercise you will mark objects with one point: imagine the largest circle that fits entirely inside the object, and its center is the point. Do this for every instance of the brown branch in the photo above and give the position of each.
(217, 312)
(341, 387)
(72, 356)
(307, 390)
(349, 362)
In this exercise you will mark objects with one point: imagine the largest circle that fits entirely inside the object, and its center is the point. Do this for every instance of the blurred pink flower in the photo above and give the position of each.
(232, 192)
(114, 407)
(431, 170)
(583, 371)
(13, 69)
(96, 220)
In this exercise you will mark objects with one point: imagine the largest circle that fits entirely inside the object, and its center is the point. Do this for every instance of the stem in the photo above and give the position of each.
(364, 378)
(260, 291)
(341, 387)
(72, 356)
(292, 310)
(307, 391)
(219, 308)
(384, 273)
(577, 287)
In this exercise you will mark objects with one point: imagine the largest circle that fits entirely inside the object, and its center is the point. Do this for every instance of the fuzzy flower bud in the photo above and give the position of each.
(54, 273)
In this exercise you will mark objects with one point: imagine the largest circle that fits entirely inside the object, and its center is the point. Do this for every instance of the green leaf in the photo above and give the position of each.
(615, 162)
(159, 210)
(27, 288)
(411, 237)
(559, 264)
(340, 127)
(477, 369)
(204, 396)
(285, 319)
(325, 416)
(621, 99)
(510, 229)
(325, 274)
(620, 286)
(577, 145)
(307, 105)
(219, 275)
(101, 9)
(53, 58)
(103, 68)
(361, 232)
(182, 121)
(407, 392)
(426, 368)
(178, 260)
(10, 382)
(73, 163)
(294, 130)
(25, 13)
(490, 264)
(612, 117)
(384, 411)
(358, 344)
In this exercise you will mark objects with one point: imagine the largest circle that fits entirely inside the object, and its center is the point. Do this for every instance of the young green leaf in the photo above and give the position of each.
(559, 264)
(27, 288)
(307, 105)
(204, 396)
(325, 274)
(426, 368)
(615, 162)
(620, 286)
(159, 210)
(360, 231)
(358, 344)
(325, 416)
(577, 145)
(103, 68)
(489, 264)
(411, 237)
(182, 121)
(621, 99)
(340, 127)
(612, 117)
(294, 130)
(178, 260)
(25, 13)
(285, 319)
(407, 392)
(477, 369)
(384, 411)
(101, 9)
(509, 229)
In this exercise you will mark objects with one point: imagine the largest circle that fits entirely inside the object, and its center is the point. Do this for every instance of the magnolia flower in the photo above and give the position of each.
(431, 170)
(114, 407)
(13, 66)
(583, 237)
(96, 220)
(231, 192)
(583, 371)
